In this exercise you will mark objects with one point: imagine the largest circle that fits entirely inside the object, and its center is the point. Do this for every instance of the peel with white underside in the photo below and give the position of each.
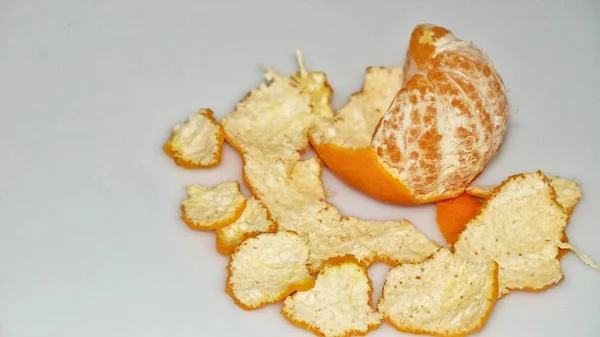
(339, 304)
(197, 142)
(295, 197)
(520, 226)
(568, 193)
(253, 221)
(272, 121)
(291, 188)
(209, 208)
(442, 296)
(268, 268)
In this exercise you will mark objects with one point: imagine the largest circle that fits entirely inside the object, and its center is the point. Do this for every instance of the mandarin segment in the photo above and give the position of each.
(449, 119)
(442, 296)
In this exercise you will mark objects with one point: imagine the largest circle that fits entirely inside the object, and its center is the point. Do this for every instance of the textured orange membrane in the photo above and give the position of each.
(176, 156)
(448, 120)
(439, 131)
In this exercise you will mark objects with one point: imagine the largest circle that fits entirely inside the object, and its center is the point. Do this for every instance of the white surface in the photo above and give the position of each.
(90, 238)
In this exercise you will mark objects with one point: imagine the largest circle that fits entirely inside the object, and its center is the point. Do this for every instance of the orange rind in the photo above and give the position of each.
(197, 142)
(267, 268)
(391, 242)
(291, 188)
(294, 194)
(339, 305)
(438, 127)
(520, 226)
(445, 295)
(272, 121)
(568, 193)
(452, 215)
(253, 221)
(210, 208)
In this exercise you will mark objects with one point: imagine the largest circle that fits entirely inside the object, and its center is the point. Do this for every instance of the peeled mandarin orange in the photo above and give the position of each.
(440, 130)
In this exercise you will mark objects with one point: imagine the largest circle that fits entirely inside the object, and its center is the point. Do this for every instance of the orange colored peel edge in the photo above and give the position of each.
(219, 224)
(329, 263)
(191, 165)
(361, 169)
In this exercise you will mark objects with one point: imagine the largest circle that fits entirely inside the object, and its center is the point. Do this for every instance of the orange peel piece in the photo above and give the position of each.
(253, 221)
(520, 226)
(452, 215)
(284, 110)
(197, 142)
(294, 194)
(210, 208)
(568, 193)
(392, 242)
(339, 305)
(438, 133)
(442, 296)
(272, 121)
(268, 268)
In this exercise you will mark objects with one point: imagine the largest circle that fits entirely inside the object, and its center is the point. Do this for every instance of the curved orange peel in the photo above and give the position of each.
(466, 291)
(197, 142)
(253, 221)
(339, 304)
(210, 208)
(520, 227)
(268, 268)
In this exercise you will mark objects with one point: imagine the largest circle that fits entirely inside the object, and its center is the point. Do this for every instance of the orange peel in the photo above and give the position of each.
(452, 215)
(210, 208)
(520, 226)
(294, 194)
(391, 242)
(253, 221)
(445, 295)
(197, 142)
(267, 268)
(272, 120)
(339, 305)
(443, 125)
(568, 192)
(290, 187)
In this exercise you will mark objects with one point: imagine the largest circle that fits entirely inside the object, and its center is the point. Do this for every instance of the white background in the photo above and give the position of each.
(90, 238)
